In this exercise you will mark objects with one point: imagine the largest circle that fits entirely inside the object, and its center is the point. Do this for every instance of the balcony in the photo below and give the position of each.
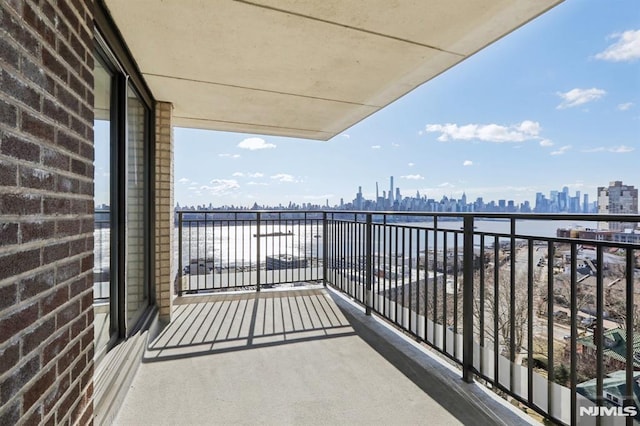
(353, 317)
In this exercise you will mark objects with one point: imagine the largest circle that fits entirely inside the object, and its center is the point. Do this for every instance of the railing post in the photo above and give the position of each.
(467, 301)
(368, 256)
(180, 271)
(258, 251)
(325, 248)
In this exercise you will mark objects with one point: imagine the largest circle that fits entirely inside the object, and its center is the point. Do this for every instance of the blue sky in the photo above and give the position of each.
(555, 103)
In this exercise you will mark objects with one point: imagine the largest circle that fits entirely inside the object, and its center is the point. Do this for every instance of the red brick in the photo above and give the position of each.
(17, 263)
(69, 401)
(68, 185)
(35, 418)
(37, 178)
(9, 357)
(69, 14)
(67, 314)
(78, 246)
(67, 227)
(13, 382)
(82, 207)
(54, 111)
(36, 127)
(8, 112)
(12, 324)
(20, 204)
(8, 235)
(87, 301)
(68, 271)
(78, 368)
(55, 252)
(59, 296)
(33, 231)
(56, 206)
(60, 387)
(20, 149)
(55, 159)
(35, 338)
(68, 141)
(86, 188)
(34, 73)
(55, 347)
(79, 167)
(38, 389)
(51, 62)
(8, 174)
(79, 325)
(34, 285)
(19, 90)
(8, 53)
(11, 414)
(70, 355)
(67, 98)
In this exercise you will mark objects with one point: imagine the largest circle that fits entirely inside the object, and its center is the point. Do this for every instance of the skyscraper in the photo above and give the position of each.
(617, 198)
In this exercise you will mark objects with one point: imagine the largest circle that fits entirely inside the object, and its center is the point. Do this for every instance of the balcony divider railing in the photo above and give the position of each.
(538, 307)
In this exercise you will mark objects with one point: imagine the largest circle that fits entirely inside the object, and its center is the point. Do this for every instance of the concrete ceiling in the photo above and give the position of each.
(302, 68)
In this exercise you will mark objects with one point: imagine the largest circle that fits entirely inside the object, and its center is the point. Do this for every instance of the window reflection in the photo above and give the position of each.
(103, 328)
(136, 288)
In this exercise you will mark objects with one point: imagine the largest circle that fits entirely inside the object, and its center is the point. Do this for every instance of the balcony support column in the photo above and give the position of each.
(467, 301)
(165, 267)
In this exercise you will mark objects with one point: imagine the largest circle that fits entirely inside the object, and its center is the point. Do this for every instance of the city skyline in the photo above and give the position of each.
(554, 104)
(558, 200)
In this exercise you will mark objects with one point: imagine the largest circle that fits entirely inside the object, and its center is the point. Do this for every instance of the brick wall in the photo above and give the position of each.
(46, 211)
(165, 264)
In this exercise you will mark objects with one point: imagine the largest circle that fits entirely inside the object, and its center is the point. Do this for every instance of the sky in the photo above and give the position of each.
(555, 103)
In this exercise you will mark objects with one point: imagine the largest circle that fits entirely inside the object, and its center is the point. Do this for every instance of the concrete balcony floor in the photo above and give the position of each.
(303, 357)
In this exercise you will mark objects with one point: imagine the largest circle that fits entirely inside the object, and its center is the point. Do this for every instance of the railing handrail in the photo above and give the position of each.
(586, 217)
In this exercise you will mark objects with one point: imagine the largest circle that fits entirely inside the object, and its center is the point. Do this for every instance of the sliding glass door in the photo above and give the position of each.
(122, 203)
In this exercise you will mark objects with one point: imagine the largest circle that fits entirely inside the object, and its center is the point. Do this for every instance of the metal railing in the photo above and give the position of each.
(540, 318)
(231, 250)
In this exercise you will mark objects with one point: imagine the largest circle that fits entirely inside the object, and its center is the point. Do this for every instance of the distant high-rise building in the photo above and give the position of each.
(617, 198)
(391, 191)
(585, 204)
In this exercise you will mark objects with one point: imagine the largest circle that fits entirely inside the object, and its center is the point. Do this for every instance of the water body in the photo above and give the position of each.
(239, 245)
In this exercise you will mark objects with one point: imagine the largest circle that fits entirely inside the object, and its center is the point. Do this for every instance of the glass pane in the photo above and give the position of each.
(136, 280)
(102, 191)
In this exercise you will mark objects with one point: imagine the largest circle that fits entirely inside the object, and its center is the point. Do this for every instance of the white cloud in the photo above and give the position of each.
(220, 186)
(229, 155)
(256, 175)
(527, 130)
(253, 144)
(561, 150)
(446, 185)
(346, 136)
(625, 106)
(546, 142)
(184, 180)
(257, 183)
(238, 174)
(375, 147)
(411, 164)
(627, 48)
(467, 163)
(621, 149)
(395, 145)
(412, 177)
(283, 177)
(577, 97)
